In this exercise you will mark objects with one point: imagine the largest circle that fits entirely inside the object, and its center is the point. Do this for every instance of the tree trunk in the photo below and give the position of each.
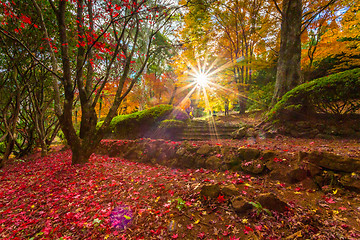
(288, 67)
(171, 101)
(44, 147)
(80, 155)
(226, 107)
(9, 148)
(242, 104)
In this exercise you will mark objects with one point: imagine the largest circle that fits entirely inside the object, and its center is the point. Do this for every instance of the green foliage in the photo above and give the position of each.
(2, 147)
(260, 96)
(180, 203)
(139, 123)
(336, 94)
(260, 208)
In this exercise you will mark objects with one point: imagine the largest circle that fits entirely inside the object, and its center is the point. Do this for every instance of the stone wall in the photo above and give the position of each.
(314, 169)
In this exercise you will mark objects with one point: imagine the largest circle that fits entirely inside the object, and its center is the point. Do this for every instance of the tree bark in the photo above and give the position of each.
(81, 155)
(242, 102)
(288, 73)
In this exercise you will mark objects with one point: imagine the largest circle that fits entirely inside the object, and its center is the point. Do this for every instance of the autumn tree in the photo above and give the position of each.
(92, 43)
(294, 19)
(332, 42)
(241, 27)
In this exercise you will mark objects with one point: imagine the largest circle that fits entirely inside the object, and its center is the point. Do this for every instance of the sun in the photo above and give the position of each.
(202, 79)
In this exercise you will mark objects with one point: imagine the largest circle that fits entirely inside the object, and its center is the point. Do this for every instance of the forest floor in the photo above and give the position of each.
(113, 198)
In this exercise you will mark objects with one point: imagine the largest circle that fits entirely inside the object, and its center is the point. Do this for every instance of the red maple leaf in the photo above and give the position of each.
(221, 199)
(248, 229)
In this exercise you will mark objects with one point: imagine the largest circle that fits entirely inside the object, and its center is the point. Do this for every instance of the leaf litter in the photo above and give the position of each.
(112, 198)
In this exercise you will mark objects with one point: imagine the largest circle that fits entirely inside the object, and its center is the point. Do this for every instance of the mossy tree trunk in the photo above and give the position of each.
(288, 67)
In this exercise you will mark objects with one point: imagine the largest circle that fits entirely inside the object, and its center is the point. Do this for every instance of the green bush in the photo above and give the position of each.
(336, 94)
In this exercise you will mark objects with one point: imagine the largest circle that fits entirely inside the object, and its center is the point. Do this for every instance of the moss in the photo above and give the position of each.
(325, 95)
(137, 124)
(172, 123)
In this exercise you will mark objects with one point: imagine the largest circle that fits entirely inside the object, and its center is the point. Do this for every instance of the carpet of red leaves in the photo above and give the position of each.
(48, 198)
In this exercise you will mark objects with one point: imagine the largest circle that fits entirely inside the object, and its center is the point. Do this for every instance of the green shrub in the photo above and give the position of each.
(336, 94)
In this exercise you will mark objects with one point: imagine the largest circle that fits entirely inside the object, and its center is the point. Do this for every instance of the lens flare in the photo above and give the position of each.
(202, 79)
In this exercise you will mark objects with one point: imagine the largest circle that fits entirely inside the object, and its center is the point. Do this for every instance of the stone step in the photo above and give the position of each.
(207, 127)
(209, 130)
(202, 130)
(207, 133)
(204, 137)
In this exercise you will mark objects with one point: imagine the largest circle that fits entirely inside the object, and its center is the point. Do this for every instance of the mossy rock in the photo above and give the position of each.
(351, 181)
(210, 191)
(248, 153)
(230, 190)
(213, 162)
(204, 149)
(241, 206)
(141, 124)
(254, 167)
(268, 155)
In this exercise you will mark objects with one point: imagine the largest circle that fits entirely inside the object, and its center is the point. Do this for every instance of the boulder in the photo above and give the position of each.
(255, 166)
(270, 134)
(230, 190)
(210, 190)
(251, 132)
(278, 174)
(312, 169)
(241, 206)
(180, 151)
(308, 183)
(331, 161)
(248, 153)
(272, 202)
(239, 134)
(289, 174)
(351, 181)
(296, 174)
(213, 162)
(268, 155)
(272, 165)
(204, 149)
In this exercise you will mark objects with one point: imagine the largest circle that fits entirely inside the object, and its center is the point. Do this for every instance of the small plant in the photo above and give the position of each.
(260, 208)
(96, 222)
(180, 204)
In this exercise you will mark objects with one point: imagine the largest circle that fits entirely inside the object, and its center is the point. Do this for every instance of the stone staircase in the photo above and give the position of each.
(198, 130)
